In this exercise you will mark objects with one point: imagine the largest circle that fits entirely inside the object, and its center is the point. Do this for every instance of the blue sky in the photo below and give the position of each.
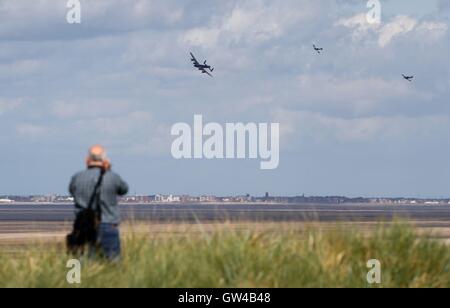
(349, 124)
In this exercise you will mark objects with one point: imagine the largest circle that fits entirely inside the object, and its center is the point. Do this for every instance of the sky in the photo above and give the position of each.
(349, 124)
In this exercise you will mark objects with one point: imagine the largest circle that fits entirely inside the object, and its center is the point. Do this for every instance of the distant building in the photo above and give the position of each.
(62, 199)
(43, 199)
(208, 199)
(167, 198)
(432, 203)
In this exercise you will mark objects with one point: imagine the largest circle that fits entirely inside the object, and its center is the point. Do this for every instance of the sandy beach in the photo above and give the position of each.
(18, 235)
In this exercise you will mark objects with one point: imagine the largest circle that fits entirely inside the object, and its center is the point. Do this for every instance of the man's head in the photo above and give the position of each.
(97, 157)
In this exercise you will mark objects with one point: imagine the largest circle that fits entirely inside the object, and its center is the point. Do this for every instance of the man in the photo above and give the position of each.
(100, 183)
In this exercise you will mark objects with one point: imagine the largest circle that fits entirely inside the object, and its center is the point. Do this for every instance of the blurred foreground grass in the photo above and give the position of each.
(227, 258)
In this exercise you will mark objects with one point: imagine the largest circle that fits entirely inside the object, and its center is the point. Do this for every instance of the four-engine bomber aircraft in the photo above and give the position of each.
(202, 67)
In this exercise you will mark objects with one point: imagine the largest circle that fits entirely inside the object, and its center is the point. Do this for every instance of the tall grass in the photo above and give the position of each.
(246, 259)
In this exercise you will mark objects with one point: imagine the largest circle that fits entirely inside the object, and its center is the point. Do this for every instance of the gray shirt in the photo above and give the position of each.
(82, 187)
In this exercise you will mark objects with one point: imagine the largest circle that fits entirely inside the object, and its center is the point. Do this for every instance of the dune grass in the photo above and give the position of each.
(310, 258)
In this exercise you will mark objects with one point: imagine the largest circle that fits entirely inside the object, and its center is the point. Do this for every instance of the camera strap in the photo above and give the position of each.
(96, 194)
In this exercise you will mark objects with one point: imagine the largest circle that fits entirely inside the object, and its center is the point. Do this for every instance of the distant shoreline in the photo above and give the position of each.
(238, 203)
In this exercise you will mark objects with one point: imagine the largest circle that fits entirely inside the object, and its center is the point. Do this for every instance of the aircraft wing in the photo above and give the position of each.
(193, 59)
(206, 72)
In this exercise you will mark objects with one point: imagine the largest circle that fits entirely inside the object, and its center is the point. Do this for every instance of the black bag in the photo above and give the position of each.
(85, 227)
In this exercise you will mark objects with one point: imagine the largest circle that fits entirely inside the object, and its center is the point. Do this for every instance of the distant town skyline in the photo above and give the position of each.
(349, 123)
(212, 199)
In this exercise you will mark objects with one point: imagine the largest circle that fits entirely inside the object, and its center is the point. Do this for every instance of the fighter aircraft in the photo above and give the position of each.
(202, 67)
(317, 49)
(409, 78)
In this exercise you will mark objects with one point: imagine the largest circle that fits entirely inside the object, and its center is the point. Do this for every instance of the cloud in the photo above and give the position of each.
(398, 26)
(46, 19)
(434, 30)
(361, 28)
(249, 23)
(202, 37)
(303, 127)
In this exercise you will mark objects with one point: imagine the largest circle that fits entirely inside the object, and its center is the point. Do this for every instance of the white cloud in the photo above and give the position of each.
(46, 19)
(250, 22)
(361, 28)
(400, 25)
(205, 37)
(253, 22)
(433, 30)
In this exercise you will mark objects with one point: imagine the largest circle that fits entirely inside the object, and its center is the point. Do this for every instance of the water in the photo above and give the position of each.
(239, 212)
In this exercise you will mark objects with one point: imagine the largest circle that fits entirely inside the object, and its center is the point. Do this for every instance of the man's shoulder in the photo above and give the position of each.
(89, 172)
(82, 173)
(78, 174)
(113, 175)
